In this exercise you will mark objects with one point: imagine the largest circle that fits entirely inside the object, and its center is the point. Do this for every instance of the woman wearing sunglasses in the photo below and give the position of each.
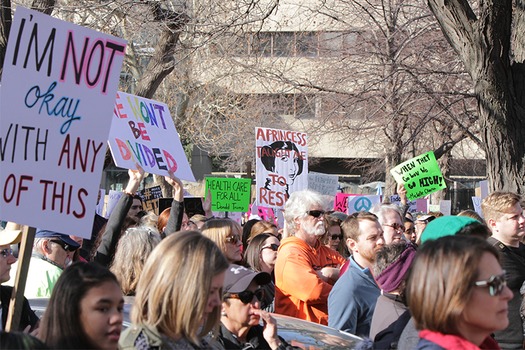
(241, 314)
(226, 233)
(457, 294)
(260, 256)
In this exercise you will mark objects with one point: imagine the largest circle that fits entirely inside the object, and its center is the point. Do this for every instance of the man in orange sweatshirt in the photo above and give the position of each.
(305, 270)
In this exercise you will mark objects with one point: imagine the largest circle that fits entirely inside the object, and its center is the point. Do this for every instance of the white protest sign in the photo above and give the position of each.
(445, 206)
(362, 203)
(143, 132)
(281, 162)
(476, 202)
(323, 183)
(484, 188)
(113, 198)
(100, 204)
(58, 90)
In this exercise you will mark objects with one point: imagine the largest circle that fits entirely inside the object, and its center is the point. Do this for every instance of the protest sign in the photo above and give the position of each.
(476, 202)
(150, 193)
(100, 203)
(323, 183)
(58, 90)
(229, 194)
(113, 198)
(267, 214)
(361, 203)
(341, 202)
(143, 132)
(484, 188)
(421, 175)
(419, 205)
(445, 206)
(281, 162)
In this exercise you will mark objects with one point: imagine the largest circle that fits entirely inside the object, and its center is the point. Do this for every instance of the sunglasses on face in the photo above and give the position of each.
(135, 207)
(396, 227)
(495, 283)
(235, 239)
(339, 237)
(315, 213)
(246, 297)
(6, 252)
(273, 247)
(64, 245)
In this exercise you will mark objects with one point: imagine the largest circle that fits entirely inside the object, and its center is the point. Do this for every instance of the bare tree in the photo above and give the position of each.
(489, 42)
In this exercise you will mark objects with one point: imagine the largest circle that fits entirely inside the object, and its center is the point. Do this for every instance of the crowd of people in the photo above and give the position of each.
(397, 280)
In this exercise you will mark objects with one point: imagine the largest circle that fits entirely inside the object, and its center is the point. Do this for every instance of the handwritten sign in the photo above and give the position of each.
(152, 192)
(264, 213)
(113, 198)
(323, 183)
(143, 132)
(476, 202)
(229, 194)
(419, 205)
(421, 175)
(341, 202)
(281, 158)
(445, 206)
(58, 90)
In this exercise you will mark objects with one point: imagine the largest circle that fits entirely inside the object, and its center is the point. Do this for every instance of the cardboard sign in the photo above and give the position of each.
(421, 175)
(229, 194)
(281, 162)
(58, 90)
(143, 132)
(323, 183)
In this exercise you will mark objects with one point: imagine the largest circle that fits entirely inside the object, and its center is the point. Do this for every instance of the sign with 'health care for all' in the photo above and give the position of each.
(58, 90)
(421, 175)
(229, 194)
(143, 132)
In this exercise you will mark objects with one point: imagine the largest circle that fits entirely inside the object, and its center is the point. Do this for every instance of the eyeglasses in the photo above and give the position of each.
(135, 207)
(64, 245)
(495, 283)
(6, 252)
(246, 297)
(339, 237)
(235, 239)
(272, 246)
(315, 213)
(396, 227)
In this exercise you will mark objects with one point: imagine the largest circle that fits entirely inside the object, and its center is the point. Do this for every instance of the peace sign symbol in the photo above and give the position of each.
(362, 204)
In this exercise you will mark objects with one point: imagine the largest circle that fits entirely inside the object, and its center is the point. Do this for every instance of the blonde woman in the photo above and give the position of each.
(178, 297)
(227, 234)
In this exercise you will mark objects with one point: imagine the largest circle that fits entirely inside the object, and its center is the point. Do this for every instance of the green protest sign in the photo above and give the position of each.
(229, 194)
(421, 175)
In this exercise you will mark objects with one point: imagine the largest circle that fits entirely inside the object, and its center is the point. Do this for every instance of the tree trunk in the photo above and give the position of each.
(484, 46)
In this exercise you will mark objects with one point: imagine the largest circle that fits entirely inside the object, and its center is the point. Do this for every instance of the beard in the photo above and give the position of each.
(316, 229)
